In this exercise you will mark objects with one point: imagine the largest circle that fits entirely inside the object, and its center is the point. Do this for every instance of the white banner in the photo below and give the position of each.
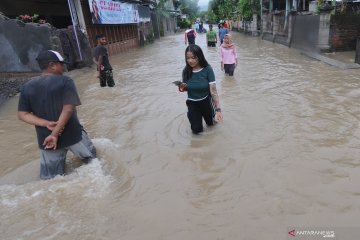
(110, 12)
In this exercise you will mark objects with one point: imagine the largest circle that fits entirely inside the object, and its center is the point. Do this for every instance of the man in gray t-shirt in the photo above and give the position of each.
(101, 58)
(49, 102)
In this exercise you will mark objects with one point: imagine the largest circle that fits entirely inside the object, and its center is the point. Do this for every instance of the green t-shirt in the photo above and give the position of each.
(211, 36)
(198, 85)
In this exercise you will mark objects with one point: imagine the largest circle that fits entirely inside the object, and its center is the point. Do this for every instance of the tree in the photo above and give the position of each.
(190, 8)
(228, 9)
(246, 9)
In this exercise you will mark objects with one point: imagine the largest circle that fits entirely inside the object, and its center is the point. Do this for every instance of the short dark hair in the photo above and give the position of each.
(43, 65)
(100, 36)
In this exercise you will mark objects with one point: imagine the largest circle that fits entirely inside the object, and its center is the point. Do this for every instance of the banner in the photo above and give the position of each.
(110, 12)
(144, 14)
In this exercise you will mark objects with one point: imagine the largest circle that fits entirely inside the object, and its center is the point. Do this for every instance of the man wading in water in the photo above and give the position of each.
(49, 102)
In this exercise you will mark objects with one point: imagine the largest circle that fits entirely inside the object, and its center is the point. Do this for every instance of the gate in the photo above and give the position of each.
(305, 32)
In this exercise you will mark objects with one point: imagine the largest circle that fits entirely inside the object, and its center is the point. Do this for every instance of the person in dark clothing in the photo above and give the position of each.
(49, 102)
(101, 59)
(190, 35)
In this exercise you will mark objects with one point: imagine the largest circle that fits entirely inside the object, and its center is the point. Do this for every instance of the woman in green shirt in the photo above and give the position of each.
(199, 82)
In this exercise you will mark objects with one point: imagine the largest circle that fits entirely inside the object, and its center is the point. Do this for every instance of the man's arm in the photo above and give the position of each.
(65, 115)
(99, 62)
(30, 118)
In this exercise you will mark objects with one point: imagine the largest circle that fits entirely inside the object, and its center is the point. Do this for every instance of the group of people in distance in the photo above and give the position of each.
(228, 54)
(198, 77)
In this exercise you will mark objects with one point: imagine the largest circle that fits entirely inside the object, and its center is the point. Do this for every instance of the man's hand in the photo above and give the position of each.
(51, 125)
(50, 142)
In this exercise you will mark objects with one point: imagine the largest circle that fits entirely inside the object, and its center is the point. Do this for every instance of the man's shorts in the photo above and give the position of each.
(211, 44)
(53, 161)
(106, 77)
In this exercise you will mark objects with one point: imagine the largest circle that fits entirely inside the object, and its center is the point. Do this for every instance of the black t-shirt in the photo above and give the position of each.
(100, 50)
(45, 96)
(191, 36)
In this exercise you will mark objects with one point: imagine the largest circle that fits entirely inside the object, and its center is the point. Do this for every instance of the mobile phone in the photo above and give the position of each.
(177, 83)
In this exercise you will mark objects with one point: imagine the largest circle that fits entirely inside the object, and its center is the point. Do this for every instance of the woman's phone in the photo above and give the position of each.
(177, 83)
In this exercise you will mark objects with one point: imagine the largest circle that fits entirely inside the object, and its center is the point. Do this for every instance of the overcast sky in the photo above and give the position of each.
(203, 2)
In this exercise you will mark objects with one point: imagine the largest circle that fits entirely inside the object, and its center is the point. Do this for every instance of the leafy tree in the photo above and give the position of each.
(190, 8)
(246, 9)
(160, 8)
(211, 16)
(230, 9)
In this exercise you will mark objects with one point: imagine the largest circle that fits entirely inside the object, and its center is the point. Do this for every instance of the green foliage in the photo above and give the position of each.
(160, 8)
(232, 9)
(190, 8)
(183, 23)
(246, 9)
(212, 17)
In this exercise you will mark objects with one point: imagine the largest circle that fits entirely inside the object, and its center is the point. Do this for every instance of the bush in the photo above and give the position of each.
(183, 23)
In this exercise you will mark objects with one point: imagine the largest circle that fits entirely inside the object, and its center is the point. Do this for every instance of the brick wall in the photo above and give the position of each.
(344, 30)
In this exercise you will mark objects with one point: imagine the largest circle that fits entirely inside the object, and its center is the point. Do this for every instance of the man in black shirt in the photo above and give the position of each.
(49, 102)
(101, 58)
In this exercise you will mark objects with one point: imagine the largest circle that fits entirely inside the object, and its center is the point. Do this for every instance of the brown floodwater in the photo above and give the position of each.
(286, 155)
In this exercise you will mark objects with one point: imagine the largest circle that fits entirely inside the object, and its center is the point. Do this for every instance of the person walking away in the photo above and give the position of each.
(228, 56)
(197, 26)
(201, 27)
(101, 59)
(199, 82)
(222, 32)
(211, 37)
(49, 102)
(226, 24)
(190, 35)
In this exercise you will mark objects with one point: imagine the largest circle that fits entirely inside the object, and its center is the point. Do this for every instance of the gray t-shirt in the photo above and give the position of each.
(100, 50)
(45, 96)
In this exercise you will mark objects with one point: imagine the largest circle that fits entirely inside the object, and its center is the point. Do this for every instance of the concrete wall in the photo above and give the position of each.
(344, 30)
(146, 33)
(305, 32)
(20, 44)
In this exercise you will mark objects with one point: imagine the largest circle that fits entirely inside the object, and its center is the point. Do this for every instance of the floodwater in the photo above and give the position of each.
(286, 155)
